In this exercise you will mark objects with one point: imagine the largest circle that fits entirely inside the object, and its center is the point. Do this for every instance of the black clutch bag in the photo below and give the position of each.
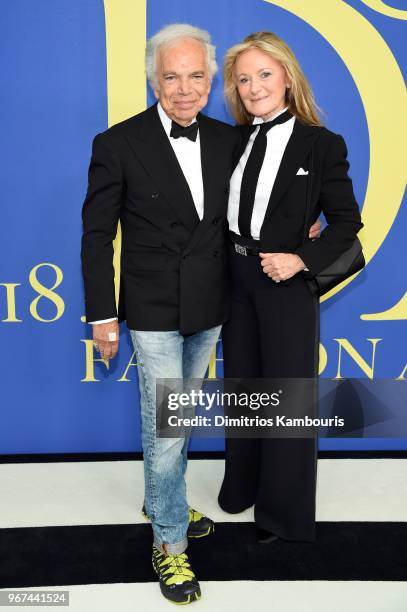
(350, 262)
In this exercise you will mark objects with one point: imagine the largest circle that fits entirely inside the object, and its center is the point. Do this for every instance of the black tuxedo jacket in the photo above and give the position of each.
(173, 266)
(331, 193)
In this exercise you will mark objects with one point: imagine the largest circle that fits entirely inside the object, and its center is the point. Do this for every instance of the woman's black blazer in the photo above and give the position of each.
(331, 193)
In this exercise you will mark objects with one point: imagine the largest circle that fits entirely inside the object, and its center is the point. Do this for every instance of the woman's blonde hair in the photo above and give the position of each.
(299, 96)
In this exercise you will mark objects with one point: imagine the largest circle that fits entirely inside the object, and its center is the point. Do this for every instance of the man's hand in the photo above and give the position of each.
(315, 230)
(281, 266)
(106, 339)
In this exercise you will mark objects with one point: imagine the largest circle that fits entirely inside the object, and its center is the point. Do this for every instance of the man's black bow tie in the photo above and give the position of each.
(191, 131)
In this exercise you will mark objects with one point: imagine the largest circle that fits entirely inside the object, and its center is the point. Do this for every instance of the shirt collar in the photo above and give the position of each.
(258, 120)
(165, 119)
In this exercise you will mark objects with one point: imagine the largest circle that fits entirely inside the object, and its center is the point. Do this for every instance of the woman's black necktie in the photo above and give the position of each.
(252, 171)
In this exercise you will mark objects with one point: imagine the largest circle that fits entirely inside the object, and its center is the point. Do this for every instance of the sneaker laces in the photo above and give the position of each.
(175, 569)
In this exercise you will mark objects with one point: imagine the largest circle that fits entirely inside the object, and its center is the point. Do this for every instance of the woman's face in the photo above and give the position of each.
(261, 82)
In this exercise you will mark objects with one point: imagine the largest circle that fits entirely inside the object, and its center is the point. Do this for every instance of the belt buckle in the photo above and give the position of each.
(240, 249)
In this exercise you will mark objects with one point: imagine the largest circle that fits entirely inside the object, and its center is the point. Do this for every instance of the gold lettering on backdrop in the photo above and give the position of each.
(90, 362)
(131, 364)
(357, 358)
(343, 343)
(366, 54)
(384, 9)
(323, 358)
(398, 312)
(11, 302)
(46, 292)
(213, 363)
(403, 374)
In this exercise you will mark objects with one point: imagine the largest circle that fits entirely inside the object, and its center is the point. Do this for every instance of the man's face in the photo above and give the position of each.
(183, 80)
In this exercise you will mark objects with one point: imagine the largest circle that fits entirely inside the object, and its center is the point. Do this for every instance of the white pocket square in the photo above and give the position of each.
(302, 171)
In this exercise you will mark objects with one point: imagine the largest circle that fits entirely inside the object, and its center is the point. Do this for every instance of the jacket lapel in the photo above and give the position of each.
(245, 133)
(213, 177)
(211, 162)
(298, 146)
(154, 151)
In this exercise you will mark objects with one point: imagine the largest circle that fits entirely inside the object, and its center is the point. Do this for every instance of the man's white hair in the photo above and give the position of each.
(170, 34)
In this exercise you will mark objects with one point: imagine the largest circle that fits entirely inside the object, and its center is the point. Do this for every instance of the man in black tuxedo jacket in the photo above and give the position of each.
(164, 173)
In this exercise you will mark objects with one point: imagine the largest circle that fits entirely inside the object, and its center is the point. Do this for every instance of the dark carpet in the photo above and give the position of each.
(98, 554)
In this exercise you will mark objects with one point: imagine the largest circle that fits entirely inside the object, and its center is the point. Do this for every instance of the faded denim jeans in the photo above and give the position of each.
(167, 354)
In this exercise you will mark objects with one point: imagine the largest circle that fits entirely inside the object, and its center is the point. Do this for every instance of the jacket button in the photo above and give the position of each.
(216, 221)
(174, 224)
(184, 257)
(155, 195)
(215, 253)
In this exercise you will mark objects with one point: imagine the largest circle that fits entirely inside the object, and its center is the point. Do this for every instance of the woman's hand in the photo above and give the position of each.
(281, 266)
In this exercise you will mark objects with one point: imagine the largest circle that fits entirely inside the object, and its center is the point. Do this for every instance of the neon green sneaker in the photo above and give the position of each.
(178, 582)
(199, 524)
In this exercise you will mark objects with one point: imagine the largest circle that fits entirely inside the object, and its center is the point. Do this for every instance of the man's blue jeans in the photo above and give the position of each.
(167, 354)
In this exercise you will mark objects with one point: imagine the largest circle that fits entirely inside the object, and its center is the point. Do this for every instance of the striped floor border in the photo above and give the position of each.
(98, 554)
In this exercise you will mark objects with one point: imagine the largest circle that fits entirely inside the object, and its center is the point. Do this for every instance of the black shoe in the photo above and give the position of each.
(265, 537)
(199, 524)
(178, 582)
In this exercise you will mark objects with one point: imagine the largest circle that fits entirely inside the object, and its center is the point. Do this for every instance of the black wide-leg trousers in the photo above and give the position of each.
(272, 332)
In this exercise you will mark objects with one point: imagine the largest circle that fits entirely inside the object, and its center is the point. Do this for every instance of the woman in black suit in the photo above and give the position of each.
(273, 329)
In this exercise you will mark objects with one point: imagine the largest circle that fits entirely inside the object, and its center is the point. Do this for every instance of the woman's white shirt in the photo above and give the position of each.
(277, 139)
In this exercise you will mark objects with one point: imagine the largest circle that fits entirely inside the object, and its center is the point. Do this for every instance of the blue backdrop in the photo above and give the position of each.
(53, 101)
